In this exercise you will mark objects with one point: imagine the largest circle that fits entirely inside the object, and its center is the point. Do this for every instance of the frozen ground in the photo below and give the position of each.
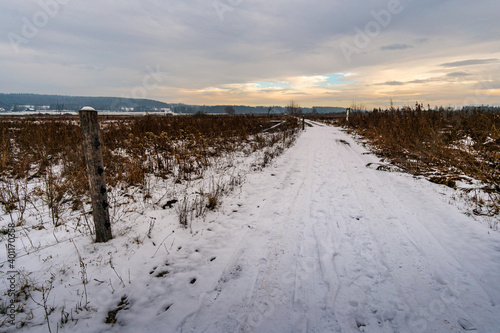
(317, 242)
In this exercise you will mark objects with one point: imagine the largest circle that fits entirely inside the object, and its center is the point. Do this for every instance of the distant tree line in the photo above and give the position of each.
(18, 102)
(245, 109)
(60, 103)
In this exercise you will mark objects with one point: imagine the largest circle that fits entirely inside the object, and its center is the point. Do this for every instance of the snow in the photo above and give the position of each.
(317, 242)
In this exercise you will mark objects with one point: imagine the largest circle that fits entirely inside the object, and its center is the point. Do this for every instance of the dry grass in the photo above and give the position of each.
(47, 151)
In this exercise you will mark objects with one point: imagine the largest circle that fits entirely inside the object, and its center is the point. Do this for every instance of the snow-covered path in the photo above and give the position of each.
(321, 243)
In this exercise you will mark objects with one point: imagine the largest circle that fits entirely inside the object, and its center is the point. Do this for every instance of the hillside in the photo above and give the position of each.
(60, 102)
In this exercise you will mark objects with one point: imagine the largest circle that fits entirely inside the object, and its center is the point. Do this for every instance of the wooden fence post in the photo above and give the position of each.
(95, 170)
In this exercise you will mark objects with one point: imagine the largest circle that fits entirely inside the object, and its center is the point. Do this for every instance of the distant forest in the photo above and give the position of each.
(36, 102)
(19, 102)
(244, 109)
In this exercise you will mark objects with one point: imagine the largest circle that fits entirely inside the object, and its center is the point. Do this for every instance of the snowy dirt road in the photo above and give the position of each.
(321, 243)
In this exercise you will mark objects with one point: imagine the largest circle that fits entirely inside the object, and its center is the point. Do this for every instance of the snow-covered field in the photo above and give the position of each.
(316, 242)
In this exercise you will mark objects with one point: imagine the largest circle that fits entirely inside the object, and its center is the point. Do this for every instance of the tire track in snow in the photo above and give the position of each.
(259, 289)
(354, 256)
(313, 277)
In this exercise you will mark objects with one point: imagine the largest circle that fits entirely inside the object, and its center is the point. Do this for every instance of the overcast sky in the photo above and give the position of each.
(255, 52)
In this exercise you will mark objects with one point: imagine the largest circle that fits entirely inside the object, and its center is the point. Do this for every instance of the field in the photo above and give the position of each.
(42, 161)
(212, 232)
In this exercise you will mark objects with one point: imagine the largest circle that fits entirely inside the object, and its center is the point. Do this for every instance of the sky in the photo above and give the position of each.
(243, 52)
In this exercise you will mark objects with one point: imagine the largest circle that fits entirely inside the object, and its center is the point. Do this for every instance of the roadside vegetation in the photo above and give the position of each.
(41, 158)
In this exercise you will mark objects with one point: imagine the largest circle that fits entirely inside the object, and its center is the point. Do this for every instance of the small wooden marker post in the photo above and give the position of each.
(95, 170)
(347, 111)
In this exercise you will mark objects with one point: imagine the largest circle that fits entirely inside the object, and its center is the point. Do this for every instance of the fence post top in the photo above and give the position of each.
(87, 108)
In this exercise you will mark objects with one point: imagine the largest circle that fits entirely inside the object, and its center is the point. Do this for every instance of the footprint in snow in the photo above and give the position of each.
(466, 325)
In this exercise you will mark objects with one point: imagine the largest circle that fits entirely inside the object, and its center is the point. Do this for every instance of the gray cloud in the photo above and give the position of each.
(393, 47)
(458, 74)
(391, 83)
(434, 79)
(443, 78)
(469, 62)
